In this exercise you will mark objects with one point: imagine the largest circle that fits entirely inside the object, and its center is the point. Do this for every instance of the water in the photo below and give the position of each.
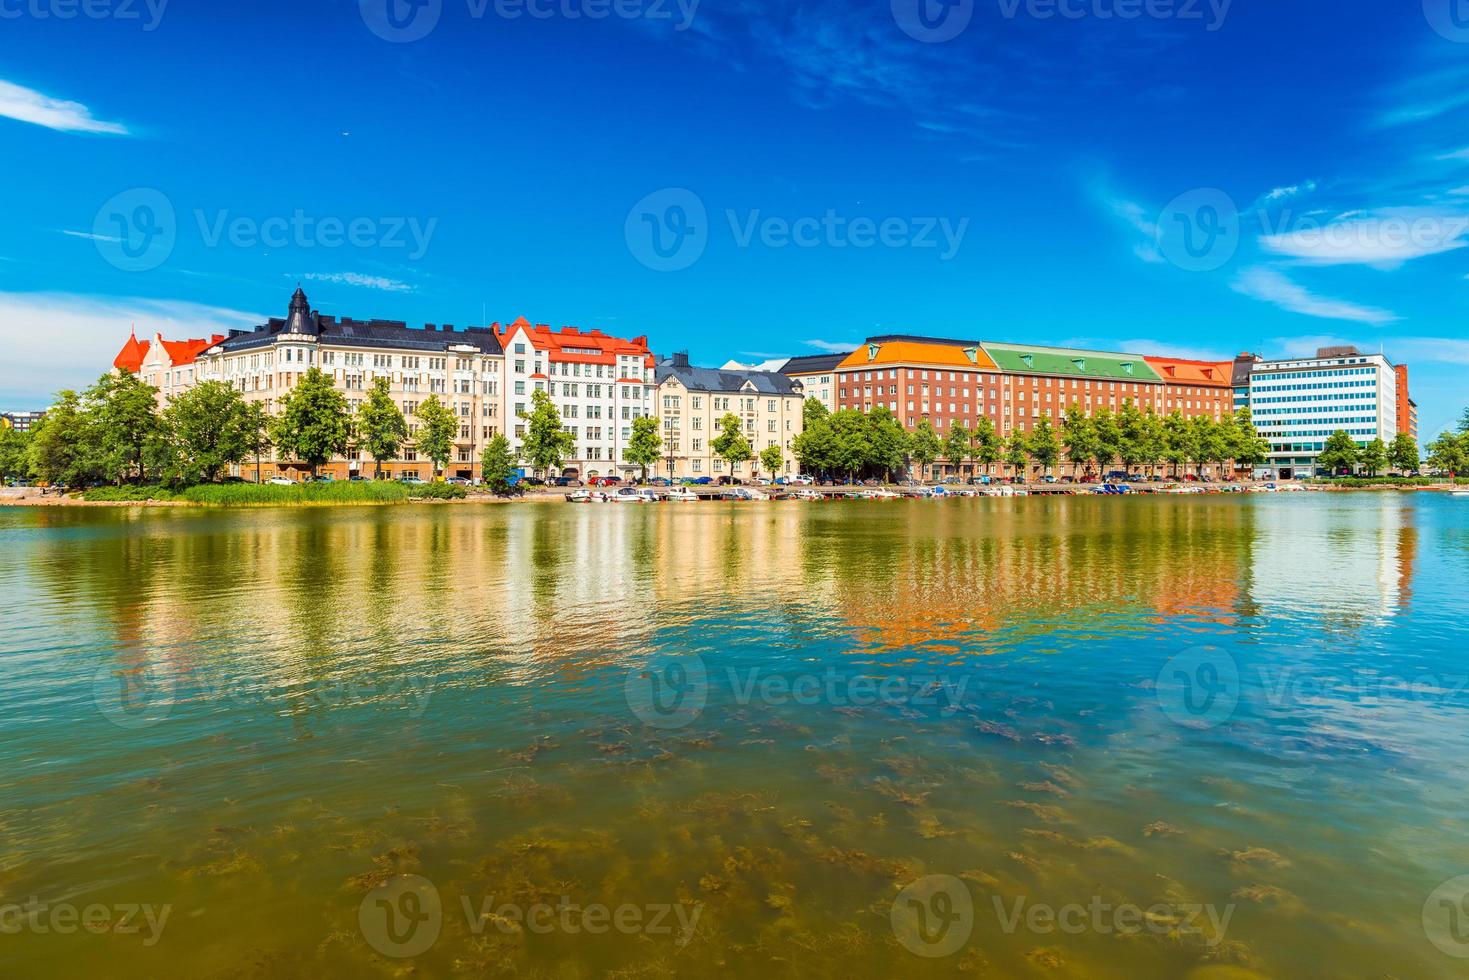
(1210, 737)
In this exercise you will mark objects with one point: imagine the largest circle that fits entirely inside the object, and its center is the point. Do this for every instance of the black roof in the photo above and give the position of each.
(347, 332)
(715, 379)
(814, 363)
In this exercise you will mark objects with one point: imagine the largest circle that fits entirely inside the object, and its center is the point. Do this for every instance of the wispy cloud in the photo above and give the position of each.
(90, 330)
(1272, 286)
(1136, 217)
(831, 347)
(90, 235)
(28, 105)
(1286, 193)
(357, 279)
(1385, 238)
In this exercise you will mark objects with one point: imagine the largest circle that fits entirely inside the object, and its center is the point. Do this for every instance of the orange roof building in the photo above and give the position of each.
(167, 365)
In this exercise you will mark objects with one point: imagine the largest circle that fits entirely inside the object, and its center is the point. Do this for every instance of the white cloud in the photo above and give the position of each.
(831, 347)
(91, 236)
(1454, 155)
(1134, 215)
(1272, 286)
(28, 105)
(1384, 239)
(1279, 194)
(61, 340)
(357, 279)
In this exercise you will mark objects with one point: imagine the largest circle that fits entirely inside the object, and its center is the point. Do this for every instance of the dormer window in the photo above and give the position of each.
(1029, 360)
(1080, 363)
(1127, 367)
(973, 354)
(872, 350)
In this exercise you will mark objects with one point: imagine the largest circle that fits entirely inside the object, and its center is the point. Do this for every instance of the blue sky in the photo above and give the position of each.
(743, 179)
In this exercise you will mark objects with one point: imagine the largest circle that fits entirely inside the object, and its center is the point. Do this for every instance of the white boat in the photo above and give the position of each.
(632, 495)
(745, 493)
(877, 493)
(805, 494)
(683, 494)
(1459, 493)
(581, 496)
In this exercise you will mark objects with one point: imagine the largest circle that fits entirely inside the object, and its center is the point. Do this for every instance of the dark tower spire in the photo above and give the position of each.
(299, 319)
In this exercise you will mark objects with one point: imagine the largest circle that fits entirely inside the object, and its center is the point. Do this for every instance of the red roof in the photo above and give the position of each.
(1183, 371)
(587, 346)
(135, 351)
(130, 358)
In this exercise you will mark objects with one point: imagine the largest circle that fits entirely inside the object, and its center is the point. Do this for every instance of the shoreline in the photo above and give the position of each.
(34, 498)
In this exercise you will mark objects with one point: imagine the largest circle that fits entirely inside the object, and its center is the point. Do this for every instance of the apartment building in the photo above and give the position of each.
(817, 376)
(1297, 403)
(167, 365)
(597, 382)
(465, 369)
(691, 401)
(21, 421)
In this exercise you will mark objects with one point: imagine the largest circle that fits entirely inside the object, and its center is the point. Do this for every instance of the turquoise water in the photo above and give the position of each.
(1150, 737)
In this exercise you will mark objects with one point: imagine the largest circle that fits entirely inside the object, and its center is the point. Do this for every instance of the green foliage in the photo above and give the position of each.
(731, 444)
(1403, 453)
(772, 458)
(205, 429)
(851, 442)
(1044, 444)
(988, 447)
(1449, 453)
(313, 424)
(1374, 457)
(242, 494)
(128, 493)
(546, 443)
(646, 443)
(13, 462)
(497, 465)
(62, 450)
(1179, 440)
(436, 491)
(924, 445)
(1017, 452)
(381, 427)
(1339, 453)
(125, 430)
(1107, 437)
(1249, 449)
(815, 447)
(957, 445)
(888, 444)
(813, 411)
(438, 426)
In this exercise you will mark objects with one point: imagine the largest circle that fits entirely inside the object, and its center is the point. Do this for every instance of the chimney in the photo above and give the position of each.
(680, 358)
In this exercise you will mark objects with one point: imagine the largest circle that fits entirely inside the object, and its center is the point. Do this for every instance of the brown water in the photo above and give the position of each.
(1131, 738)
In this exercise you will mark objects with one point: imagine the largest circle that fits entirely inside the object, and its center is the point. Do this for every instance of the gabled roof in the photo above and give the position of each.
(1068, 362)
(135, 352)
(923, 351)
(576, 346)
(130, 358)
(1217, 374)
(720, 381)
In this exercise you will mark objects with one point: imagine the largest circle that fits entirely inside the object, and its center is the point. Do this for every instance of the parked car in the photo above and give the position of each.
(728, 481)
(281, 481)
(459, 481)
(357, 478)
(659, 481)
(409, 479)
(802, 481)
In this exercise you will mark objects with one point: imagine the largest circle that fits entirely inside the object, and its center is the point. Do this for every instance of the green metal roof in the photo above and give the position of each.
(1070, 363)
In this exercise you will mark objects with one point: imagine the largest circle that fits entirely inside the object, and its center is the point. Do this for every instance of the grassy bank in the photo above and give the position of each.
(1362, 482)
(238, 494)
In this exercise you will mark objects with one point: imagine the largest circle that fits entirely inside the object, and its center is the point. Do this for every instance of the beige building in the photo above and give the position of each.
(465, 369)
(817, 376)
(167, 365)
(692, 400)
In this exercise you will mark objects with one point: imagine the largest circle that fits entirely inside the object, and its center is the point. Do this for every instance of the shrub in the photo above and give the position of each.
(377, 492)
(437, 491)
(127, 494)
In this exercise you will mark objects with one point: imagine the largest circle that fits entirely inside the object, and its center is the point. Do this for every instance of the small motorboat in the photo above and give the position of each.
(581, 496)
(877, 493)
(681, 494)
(805, 494)
(632, 495)
(744, 493)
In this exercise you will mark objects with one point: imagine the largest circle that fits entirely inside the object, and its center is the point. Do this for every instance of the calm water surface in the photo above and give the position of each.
(775, 739)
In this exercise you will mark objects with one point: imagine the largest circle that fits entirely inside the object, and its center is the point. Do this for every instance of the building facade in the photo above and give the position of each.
(168, 365)
(464, 369)
(597, 382)
(692, 400)
(817, 376)
(21, 421)
(1298, 403)
(1407, 407)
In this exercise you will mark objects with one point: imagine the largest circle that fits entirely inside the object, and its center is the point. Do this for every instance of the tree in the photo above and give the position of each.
(924, 445)
(813, 411)
(888, 444)
(313, 424)
(987, 447)
(1017, 452)
(1178, 440)
(497, 465)
(256, 424)
(851, 442)
(1211, 444)
(1250, 449)
(1449, 453)
(210, 426)
(645, 446)
(1080, 438)
(13, 442)
(814, 447)
(62, 450)
(381, 427)
(546, 443)
(125, 424)
(1374, 457)
(437, 428)
(1403, 453)
(1133, 449)
(731, 445)
(1464, 422)
(1339, 453)
(772, 458)
(1044, 445)
(1107, 438)
(957, 446)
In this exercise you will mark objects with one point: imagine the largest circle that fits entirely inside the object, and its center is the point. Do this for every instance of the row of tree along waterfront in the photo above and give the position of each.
(114, 432)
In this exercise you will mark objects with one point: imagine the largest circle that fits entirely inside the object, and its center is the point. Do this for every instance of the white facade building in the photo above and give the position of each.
(598, 384)
(1298, 403)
